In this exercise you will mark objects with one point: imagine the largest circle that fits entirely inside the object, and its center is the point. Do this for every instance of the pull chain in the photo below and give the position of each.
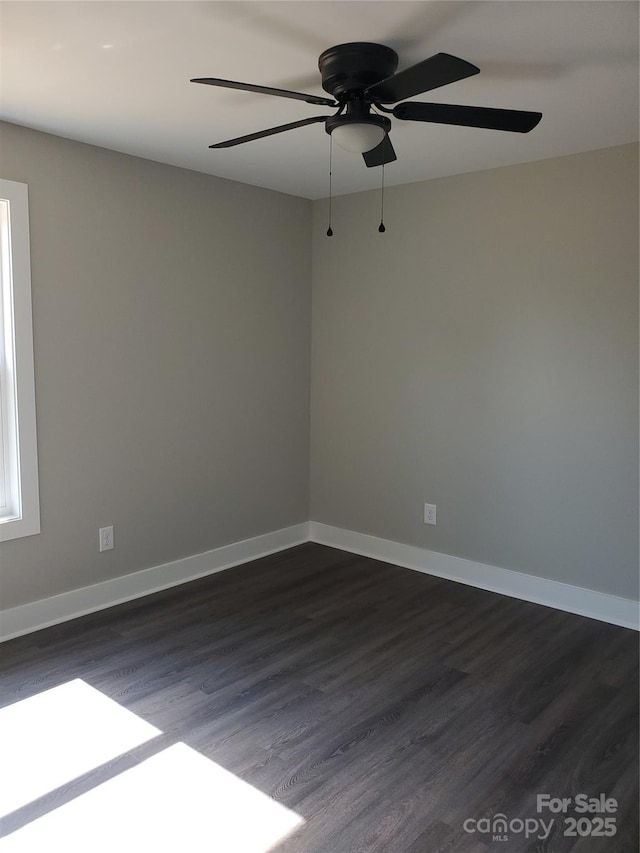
(330, 229)
(381, 227)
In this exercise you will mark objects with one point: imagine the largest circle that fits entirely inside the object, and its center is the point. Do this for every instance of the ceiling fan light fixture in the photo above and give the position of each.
(358, 136)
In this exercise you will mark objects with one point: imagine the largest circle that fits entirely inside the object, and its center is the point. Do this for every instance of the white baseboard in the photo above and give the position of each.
(562, 596)
(69, 605)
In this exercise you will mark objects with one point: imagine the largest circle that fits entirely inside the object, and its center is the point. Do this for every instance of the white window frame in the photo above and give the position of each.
(19, 492)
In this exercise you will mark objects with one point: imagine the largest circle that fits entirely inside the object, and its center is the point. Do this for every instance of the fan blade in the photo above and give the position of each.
(381, 154)
(438, 70)
(280, 129)
(517, 121)
(265, 90)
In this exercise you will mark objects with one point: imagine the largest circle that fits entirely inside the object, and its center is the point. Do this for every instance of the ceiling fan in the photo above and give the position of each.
(361, 78)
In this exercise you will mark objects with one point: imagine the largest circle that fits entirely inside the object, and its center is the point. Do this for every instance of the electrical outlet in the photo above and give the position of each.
(429, 513)
(105, 538)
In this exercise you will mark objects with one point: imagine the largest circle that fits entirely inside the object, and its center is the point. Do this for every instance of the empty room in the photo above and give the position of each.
(319, 434)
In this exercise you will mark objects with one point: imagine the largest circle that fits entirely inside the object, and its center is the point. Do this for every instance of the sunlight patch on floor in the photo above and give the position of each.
(51, 738)
(175, 800)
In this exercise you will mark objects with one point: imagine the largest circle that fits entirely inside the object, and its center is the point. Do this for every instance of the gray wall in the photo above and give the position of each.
(482, 355)
(171, 321)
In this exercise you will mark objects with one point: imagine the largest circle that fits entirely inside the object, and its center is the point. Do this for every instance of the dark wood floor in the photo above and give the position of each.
(383, 706)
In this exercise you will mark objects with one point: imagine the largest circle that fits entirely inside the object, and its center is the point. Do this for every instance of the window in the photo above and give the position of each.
(19, 500)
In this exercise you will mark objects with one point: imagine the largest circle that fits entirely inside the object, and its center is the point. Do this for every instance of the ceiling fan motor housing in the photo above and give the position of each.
(353, 67)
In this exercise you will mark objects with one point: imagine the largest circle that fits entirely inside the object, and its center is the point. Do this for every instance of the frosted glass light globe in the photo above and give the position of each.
(358, 136)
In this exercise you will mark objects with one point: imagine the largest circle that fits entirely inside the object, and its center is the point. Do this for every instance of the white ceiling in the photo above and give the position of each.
(116, 74)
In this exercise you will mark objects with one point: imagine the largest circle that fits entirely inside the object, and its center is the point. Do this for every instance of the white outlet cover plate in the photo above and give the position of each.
(105, 538)
(429, 513)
